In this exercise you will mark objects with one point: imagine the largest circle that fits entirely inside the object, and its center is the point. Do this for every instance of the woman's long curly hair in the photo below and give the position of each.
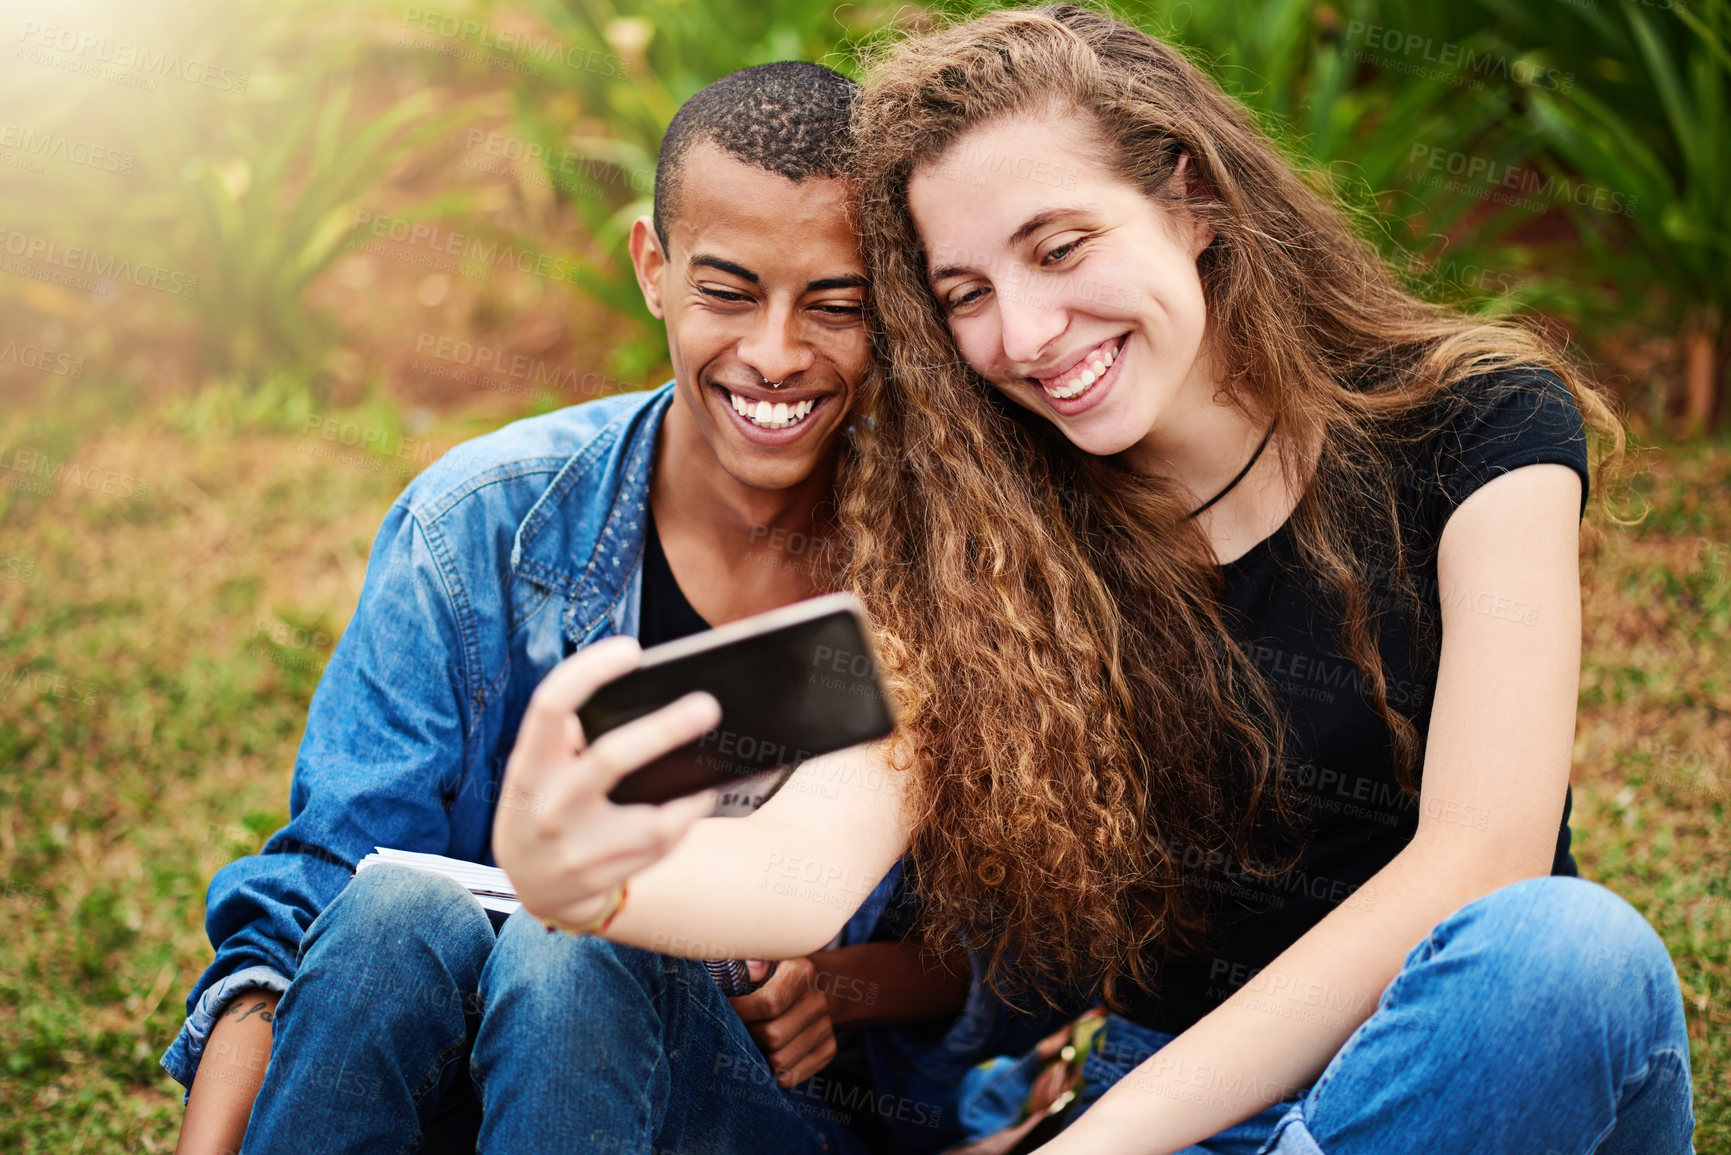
(1078, 722)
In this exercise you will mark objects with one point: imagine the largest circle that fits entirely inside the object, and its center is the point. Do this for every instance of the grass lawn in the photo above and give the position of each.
(159, 643)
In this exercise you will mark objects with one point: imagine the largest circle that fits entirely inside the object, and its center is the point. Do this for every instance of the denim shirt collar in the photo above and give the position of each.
(584, 537)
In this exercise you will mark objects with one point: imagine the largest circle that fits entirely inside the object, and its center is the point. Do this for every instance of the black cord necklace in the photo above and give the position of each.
(1242, 473)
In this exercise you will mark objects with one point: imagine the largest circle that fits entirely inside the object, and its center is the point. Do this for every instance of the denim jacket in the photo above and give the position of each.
(498, 561)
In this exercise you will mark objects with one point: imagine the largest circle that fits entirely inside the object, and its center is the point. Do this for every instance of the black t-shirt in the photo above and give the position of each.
(1339, 768)
(666, 614)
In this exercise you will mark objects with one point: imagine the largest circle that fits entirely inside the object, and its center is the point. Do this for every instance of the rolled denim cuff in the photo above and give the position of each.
(1292, 1137)
(183, 1055)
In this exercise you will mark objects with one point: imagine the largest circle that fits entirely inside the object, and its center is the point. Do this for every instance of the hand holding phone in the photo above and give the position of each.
(793, 683)
(698, 713)
(564, 845)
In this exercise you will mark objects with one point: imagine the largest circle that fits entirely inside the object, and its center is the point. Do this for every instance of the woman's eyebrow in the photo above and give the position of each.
(1040, 220)
(945, 272)
(1027, 229)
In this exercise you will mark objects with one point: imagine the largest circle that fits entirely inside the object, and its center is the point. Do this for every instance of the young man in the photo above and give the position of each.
(406, 1017)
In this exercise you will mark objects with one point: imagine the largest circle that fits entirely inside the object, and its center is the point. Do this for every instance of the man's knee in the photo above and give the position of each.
(400, 935)
(529, 955)
(551, 982)
(555, 974)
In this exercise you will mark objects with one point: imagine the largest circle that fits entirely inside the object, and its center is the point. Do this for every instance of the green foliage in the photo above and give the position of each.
(1411, 110)
(1651, 125)
(1368, 126)
(245, 194)
(1343, 108)
(639, 61)
(272, 206)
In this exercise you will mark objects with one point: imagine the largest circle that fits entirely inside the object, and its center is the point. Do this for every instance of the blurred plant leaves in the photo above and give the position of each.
(255, 193)
(1654, 130)
(267, 227)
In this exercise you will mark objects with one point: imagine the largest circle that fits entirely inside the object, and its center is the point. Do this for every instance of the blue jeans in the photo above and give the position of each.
(410, 1026)
(1543, 1019)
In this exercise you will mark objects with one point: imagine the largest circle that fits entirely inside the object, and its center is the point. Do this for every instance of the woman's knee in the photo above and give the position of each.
(1566, 944)
(1565, 923)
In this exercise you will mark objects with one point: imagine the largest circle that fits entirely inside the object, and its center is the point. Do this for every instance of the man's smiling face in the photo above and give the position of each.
(761, 282)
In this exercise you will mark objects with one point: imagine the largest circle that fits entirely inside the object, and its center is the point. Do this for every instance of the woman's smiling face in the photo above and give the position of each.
(1064, 286)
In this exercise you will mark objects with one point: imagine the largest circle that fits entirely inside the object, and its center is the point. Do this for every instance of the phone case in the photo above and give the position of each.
(793, 683)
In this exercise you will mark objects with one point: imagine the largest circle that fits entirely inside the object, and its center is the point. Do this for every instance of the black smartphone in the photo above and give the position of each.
(793, 683)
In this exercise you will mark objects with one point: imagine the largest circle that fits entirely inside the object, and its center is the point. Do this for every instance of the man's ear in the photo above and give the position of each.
(1189, 184)
(649, 261)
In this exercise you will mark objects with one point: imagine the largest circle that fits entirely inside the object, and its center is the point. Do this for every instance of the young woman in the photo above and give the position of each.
(1230, 594)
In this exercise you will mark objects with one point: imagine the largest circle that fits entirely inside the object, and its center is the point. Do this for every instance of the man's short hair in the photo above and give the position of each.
(788, 118)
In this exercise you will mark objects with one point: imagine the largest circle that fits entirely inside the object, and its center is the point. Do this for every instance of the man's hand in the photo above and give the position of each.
(789, 1017)
(564, 845)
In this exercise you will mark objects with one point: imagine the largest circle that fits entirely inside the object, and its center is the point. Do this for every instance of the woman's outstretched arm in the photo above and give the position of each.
(776, 884)
(1496, 764)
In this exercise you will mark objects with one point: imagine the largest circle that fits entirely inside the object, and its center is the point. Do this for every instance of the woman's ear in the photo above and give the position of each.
(1189, 184)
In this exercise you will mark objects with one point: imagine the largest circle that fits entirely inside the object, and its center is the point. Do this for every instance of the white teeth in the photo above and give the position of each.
(771, 415)
(1093, 369)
